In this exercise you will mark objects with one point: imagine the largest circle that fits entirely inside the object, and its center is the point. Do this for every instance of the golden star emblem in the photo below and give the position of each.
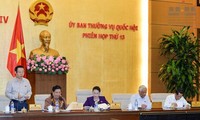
(18, 51)
(41, 6)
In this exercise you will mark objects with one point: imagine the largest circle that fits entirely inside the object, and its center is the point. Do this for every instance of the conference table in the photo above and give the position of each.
(154, 114)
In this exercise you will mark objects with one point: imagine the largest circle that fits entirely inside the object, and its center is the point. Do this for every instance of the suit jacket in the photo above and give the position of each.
(90, 101)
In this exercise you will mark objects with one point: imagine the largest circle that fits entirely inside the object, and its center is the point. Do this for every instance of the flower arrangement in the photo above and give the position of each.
(47, 64)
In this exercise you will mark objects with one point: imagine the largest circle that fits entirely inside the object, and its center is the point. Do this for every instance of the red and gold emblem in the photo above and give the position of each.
(41, 12)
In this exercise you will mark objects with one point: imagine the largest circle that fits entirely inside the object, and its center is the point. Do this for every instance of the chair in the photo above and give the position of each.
(40, 99)
(122, 98)
(4, 101)
(159, 97)
(82, 94)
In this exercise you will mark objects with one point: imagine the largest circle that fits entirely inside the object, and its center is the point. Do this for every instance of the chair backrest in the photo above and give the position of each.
(122, 98)
(40, 99)
(159, 97)
(4, 101)
(82, 94)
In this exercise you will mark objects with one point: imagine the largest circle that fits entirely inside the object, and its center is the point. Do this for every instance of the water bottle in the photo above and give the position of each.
(96, 109)
(12, 108)
(136, 104)
(57, 108)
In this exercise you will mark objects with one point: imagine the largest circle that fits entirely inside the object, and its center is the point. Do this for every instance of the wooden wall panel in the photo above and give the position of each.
(156, 60)
(156, 85)
(172, 13)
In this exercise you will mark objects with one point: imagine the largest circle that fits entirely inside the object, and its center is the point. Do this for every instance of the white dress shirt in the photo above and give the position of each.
(140, 100)
(15, 87)
(171, 99)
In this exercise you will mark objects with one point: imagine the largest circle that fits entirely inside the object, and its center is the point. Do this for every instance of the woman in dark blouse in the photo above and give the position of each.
(95, 99)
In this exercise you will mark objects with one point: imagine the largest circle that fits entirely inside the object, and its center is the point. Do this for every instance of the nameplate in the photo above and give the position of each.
(156, 104)
(35, 107)
(115, 106)
(196, 104)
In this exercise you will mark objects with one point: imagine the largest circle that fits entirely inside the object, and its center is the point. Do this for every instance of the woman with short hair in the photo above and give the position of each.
(55, 97)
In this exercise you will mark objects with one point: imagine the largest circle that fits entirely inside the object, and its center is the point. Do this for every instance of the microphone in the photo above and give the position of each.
(60, 98)
(62, 102)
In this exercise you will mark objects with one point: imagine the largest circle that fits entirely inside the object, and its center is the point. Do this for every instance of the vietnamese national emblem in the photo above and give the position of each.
(41, 12)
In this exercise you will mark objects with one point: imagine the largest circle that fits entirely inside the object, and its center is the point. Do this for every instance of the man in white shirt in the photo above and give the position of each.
(176, 100)
(18, 90)
(141, 98)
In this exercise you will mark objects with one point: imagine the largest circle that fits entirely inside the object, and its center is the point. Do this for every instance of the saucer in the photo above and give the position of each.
(6, 112)
(50, 111)
(19, 112)
(64, 110)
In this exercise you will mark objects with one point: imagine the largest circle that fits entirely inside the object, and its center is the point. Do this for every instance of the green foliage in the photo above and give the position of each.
(182, 68)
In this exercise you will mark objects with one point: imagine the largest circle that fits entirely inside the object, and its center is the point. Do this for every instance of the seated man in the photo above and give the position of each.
(45, 38)
(141, 98)
(176, 100)
(55, 98)
(96, 99)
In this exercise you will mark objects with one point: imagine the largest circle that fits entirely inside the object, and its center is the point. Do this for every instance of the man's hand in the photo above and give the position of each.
(143, 106)
(26, 97)
(187, 106)
(174, 105)
(19, 96)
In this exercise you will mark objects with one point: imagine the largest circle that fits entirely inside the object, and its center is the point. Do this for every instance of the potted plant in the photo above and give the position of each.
(181, 48)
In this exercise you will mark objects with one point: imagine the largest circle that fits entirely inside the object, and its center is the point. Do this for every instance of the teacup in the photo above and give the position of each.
(7, 109)
(50, 108)
(130, 107)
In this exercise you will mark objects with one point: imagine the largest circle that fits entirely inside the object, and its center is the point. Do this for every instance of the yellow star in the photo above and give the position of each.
(18, 50)
(41, 6)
